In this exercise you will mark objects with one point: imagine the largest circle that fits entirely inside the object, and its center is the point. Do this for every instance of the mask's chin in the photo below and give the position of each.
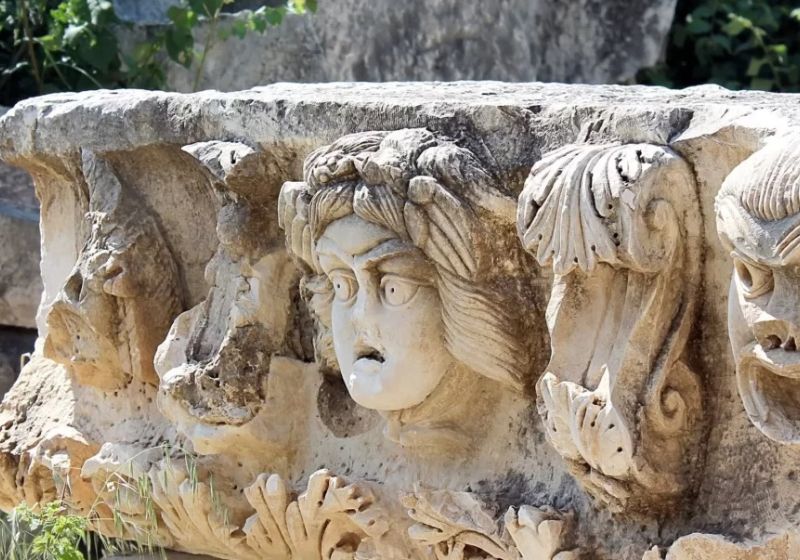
(769, 384)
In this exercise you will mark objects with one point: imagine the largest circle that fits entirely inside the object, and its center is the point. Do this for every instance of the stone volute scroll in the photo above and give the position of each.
(620, 227)
(758, 220)
(414, 281)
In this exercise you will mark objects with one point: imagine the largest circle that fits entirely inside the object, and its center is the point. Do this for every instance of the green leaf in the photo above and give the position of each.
(179, 44)
(722, 41)
(781, 50)
(698, 26)
(736, 25)
(755, 66)
(704, 11)
(275, 15)
(762, 84)
(207, 8)
(239, 28)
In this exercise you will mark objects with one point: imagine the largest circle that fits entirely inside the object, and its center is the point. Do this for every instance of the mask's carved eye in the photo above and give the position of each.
(396, 290)
(344, 284)
(754, 280)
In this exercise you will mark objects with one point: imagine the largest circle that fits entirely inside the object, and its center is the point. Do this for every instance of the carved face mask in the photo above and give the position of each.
(386, 315)
(759, 223)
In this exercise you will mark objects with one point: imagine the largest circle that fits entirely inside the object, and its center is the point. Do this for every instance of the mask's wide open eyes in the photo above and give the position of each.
(754, 280)
(344, 285)
(396, 290)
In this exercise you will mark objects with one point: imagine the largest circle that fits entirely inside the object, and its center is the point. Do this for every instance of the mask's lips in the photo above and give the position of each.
(777, 360)
(769, 384)
(370, 354)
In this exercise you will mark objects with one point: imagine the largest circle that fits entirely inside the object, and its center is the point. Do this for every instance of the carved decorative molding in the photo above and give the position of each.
(242, 289)
(460, 526)
(620, 227)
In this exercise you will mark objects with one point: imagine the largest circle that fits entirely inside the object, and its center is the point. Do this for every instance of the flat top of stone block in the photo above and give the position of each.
(116, 120)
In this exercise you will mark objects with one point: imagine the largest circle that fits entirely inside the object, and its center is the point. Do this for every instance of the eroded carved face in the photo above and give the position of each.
(386, 315)
(80, 316)
(764, 317)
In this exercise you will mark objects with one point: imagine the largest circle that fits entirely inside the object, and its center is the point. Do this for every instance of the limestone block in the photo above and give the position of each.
(413, 321)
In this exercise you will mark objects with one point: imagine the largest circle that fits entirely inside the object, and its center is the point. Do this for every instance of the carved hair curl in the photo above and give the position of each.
(767, 184)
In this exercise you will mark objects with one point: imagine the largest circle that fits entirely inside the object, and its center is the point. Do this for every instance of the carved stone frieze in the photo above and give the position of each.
(215, 361)
(501, 314)
(620, 227)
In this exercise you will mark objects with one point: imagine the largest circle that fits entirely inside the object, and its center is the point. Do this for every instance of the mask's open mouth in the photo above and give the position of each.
(371, 354)
(769, 384)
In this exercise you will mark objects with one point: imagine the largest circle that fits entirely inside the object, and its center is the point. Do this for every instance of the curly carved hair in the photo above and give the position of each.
(767, 184)
(435, 195)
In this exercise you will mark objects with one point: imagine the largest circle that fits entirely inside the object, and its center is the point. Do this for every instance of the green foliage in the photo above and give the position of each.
(739, 44)
(49, 533)
(72, 45)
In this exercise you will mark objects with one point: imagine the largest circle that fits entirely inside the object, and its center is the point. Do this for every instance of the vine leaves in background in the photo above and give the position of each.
(738, 44)
(73, 45)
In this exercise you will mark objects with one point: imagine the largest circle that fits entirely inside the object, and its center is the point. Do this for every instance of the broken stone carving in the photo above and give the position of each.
(391, 228)
(214, 363)
(620, 226)
(245, 293)
(117, 304)
(758, 220)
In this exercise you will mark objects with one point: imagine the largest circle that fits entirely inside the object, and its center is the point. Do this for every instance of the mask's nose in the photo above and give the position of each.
(778, 324)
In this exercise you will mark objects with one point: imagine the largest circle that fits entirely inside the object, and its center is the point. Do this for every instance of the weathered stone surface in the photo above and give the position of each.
(586, 41)
(469, 320)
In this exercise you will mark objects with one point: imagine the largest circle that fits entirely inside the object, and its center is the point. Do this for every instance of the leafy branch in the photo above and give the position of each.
(72, 45)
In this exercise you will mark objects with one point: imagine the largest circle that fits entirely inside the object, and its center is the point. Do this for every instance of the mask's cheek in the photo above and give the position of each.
(343, 336)
(413, 330)
(741, 315)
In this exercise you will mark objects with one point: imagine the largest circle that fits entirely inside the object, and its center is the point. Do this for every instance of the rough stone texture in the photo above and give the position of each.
(586, 41)
(352, 285)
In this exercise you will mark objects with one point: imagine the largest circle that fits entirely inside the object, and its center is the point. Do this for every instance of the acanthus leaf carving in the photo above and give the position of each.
(328, 521)
(454, 525)
(620, 226)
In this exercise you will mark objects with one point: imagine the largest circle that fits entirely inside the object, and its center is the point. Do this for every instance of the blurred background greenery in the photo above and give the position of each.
(738, 44)
(48, 46)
